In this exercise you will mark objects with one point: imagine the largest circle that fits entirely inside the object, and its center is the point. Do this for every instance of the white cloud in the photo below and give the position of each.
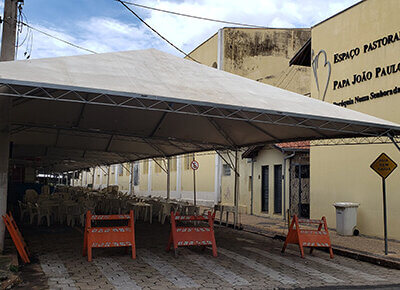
(108, 34)
(188, 33)
(97, 34)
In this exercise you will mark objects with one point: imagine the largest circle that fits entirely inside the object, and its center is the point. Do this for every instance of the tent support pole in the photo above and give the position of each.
(394, 142)
(194, 185)
(131, 188)
(108, 175)
(236, 190)
(168, 178)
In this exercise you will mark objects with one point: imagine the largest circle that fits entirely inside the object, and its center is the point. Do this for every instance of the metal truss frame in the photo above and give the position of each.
(194, 108)
(24, 92)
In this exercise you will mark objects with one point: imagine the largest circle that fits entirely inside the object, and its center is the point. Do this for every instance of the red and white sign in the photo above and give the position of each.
(194, 165)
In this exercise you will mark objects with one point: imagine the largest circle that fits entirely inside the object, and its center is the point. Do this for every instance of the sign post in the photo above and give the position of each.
(194, 165)
(384, 166)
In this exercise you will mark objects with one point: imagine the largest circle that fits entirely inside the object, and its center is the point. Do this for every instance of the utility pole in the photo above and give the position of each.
(7, 54)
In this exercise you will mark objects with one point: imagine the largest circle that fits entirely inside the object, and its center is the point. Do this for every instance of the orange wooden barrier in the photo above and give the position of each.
(16, 237)
(192, 235)
(106, 237)
(308, 237)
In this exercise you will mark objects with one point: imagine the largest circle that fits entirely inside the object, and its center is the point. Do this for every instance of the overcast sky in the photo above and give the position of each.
(105, 25)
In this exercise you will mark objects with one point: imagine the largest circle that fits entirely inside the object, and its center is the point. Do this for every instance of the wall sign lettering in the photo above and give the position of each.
(378, 72)
(371, 96)
(368, 47)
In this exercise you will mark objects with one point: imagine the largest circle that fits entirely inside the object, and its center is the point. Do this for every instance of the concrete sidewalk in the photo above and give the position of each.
(369, 249)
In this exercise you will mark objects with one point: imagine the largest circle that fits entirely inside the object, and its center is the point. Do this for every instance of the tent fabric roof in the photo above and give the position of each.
(79, 111)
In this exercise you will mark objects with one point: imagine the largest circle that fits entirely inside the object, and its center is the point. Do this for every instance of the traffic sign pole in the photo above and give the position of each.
(194, 165)
(384, 166)
(385, 215)
(194, 188)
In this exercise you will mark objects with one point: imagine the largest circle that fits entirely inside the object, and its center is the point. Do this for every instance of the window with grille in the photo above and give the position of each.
(120, 170)
(136, 173)
(226, 170)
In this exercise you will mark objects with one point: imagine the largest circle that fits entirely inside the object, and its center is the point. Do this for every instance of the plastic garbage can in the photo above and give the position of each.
(346, 218)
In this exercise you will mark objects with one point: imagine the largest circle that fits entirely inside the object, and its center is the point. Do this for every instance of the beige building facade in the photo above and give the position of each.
(356, 64)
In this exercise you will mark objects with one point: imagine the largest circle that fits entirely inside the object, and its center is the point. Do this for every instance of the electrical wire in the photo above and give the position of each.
(57, 38)
(192, 16)
(155, 31)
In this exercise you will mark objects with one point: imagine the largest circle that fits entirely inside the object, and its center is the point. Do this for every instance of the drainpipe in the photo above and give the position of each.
(284, 182)
(252, 186)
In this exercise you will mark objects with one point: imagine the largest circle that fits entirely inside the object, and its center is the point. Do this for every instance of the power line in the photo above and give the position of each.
(155, 31)
(192, 16)
(57, 38)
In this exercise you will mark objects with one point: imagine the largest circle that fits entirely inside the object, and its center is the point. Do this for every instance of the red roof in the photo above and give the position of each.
(294, 145)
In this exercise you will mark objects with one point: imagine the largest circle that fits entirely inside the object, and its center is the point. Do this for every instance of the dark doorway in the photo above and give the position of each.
(302, 174)
(278, 189)
(264, 188)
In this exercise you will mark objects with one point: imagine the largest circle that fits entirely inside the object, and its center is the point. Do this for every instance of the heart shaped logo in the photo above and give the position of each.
(322, 72)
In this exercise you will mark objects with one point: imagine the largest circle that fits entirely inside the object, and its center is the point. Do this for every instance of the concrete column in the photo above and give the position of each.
(101, 177)
(7, 54)
(217, 179)
(94, 172)
(108, 175)
(220, 50)
(178, 176)
(149, 176)
(5, 105)
(116, 169)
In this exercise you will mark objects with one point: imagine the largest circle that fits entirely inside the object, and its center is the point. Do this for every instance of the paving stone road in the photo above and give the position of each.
(245, 261)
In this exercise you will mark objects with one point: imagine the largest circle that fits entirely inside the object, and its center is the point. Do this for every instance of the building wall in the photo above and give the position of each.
(342, 173)
(264, 54)
(207, 52)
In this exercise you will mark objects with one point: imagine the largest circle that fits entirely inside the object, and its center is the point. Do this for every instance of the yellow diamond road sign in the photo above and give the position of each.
(383, 165)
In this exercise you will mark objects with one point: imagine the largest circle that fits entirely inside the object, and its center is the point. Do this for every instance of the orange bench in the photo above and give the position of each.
(106, 237)
(192, 235)
(313, 238)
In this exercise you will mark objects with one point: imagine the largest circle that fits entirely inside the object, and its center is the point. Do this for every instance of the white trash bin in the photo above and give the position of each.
(346, 218)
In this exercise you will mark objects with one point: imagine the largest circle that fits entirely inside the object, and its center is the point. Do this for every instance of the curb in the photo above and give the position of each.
(364, 257)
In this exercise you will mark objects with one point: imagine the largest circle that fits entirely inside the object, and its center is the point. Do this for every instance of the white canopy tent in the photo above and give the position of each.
(75, 112)
(71, 113)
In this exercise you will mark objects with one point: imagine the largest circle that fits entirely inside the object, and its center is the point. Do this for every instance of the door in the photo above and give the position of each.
(264, 188)
(278, 189)
(302, 174)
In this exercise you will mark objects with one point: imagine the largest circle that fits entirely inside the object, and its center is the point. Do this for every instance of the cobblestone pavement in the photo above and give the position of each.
(245, 261)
